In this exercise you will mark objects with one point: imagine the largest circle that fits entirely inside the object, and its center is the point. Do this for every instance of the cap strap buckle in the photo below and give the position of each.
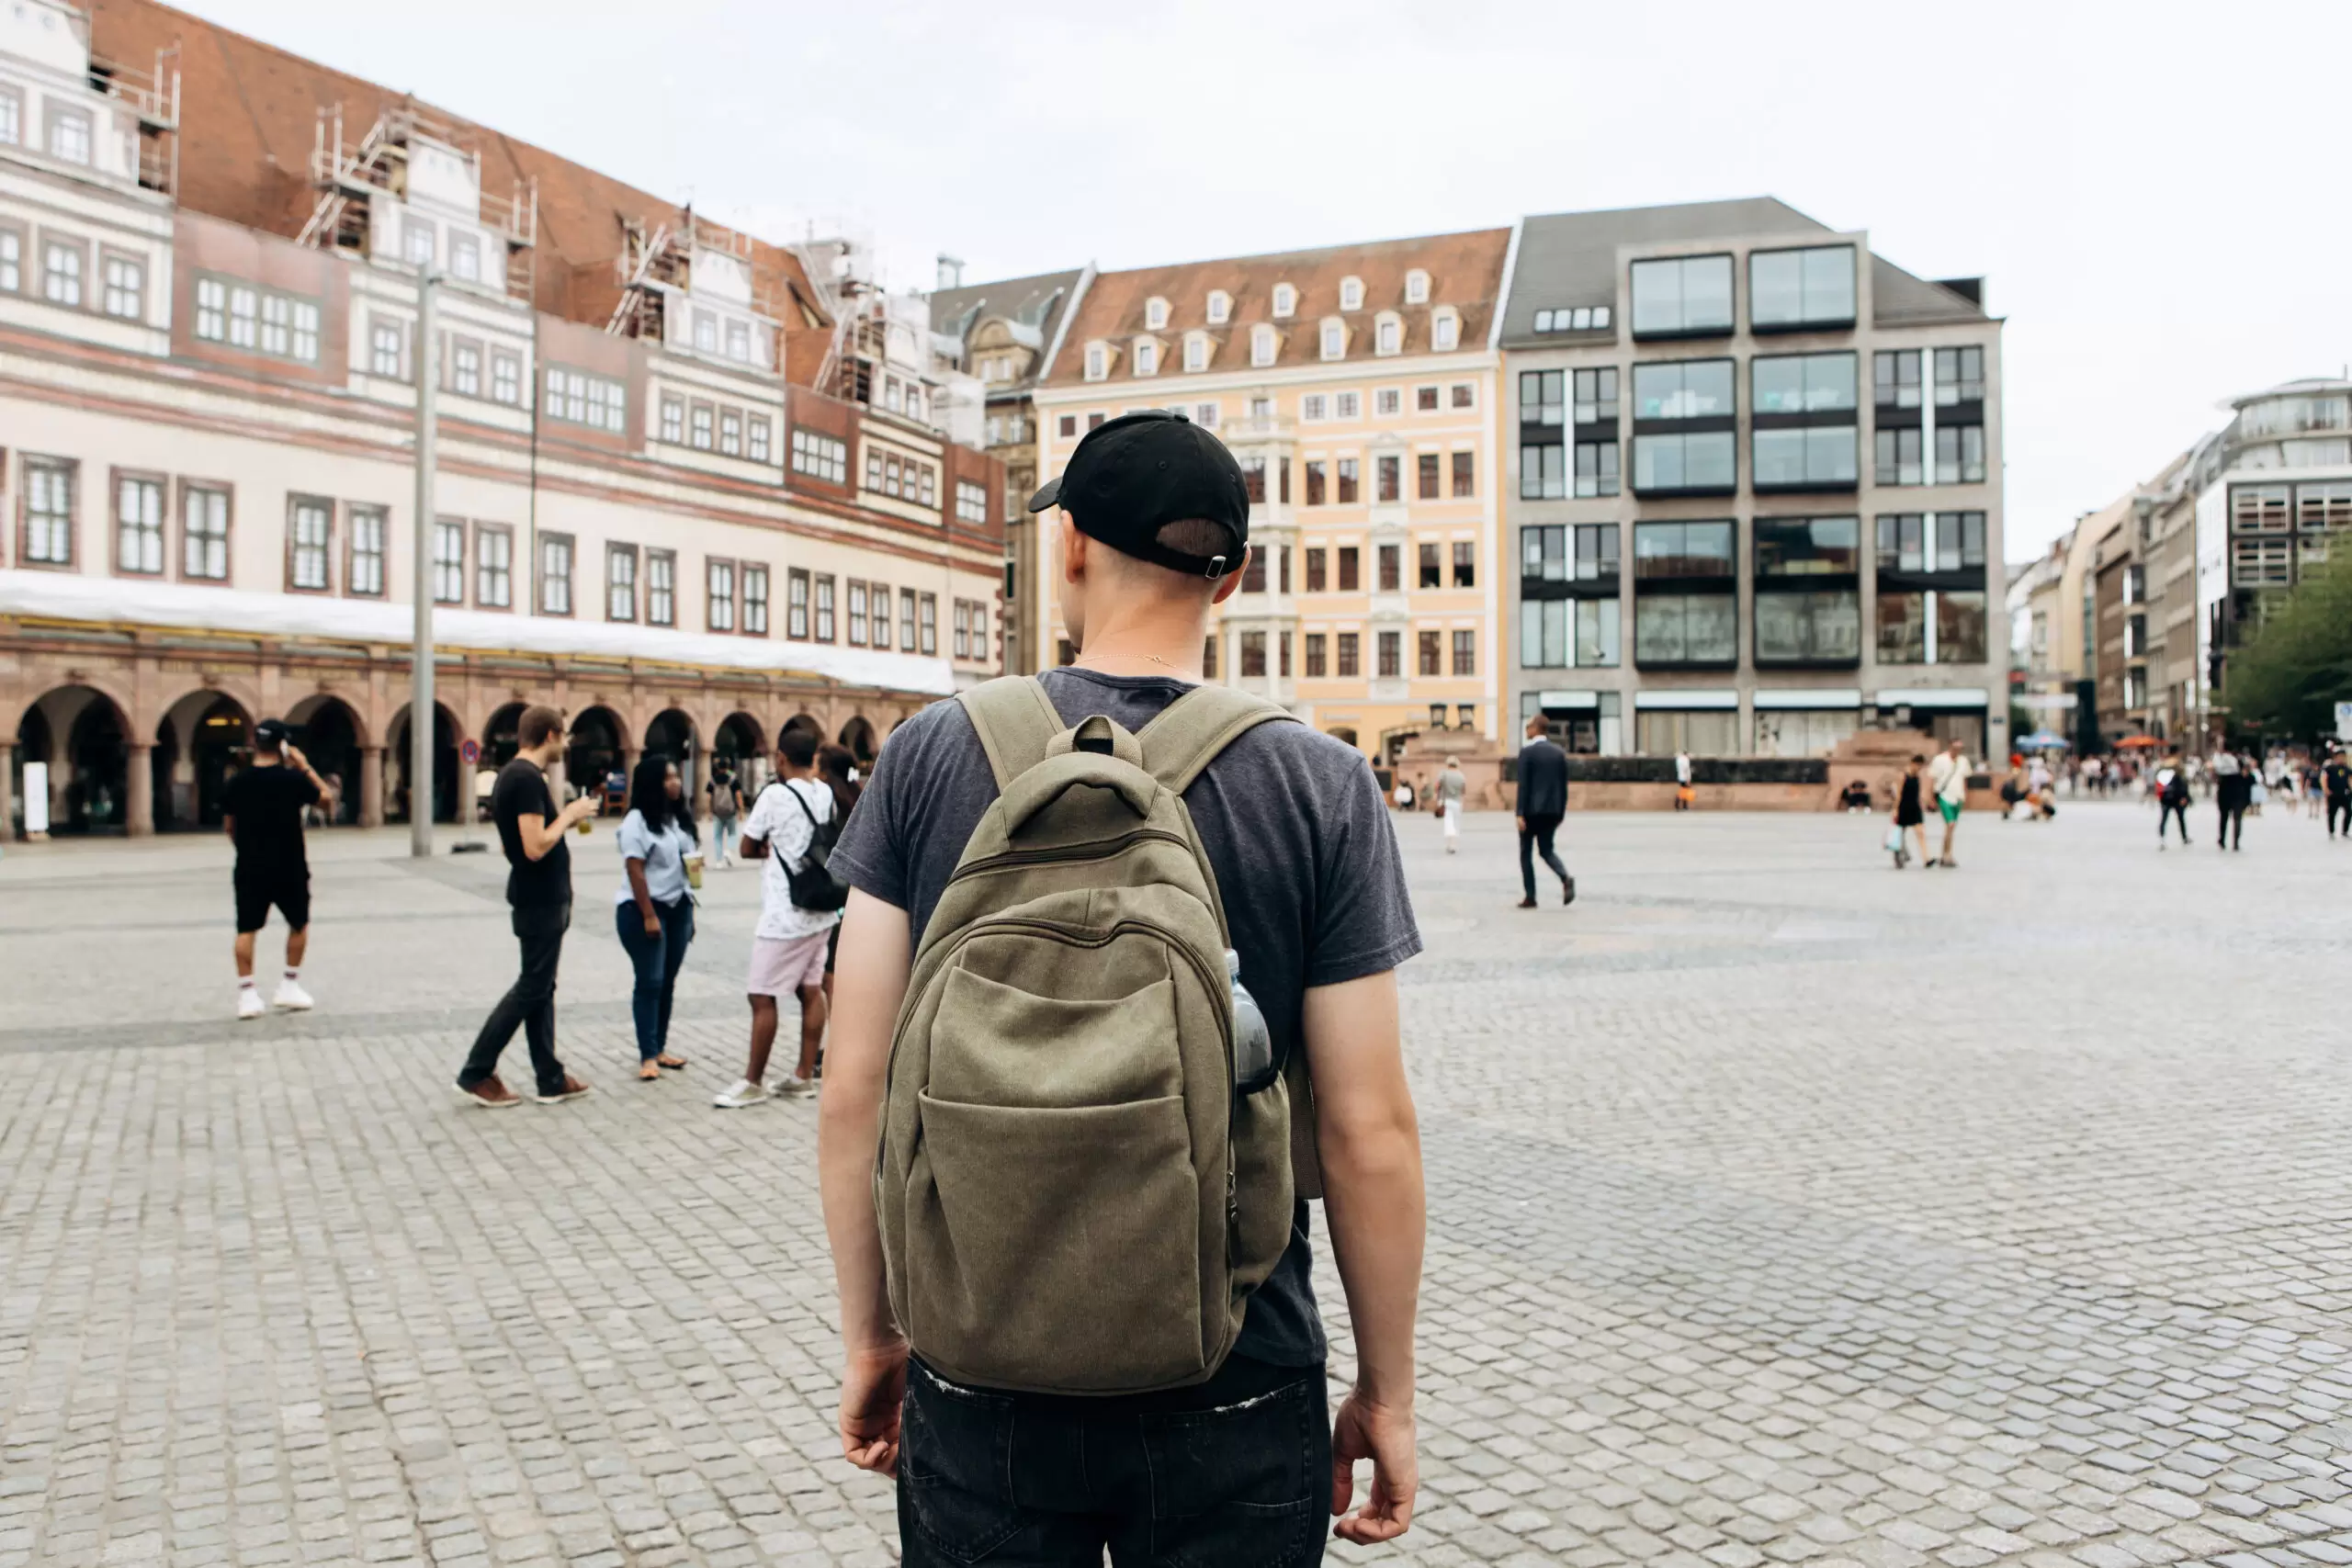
(1216, 567)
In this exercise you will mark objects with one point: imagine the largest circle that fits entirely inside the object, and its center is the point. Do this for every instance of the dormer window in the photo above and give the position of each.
(1147, 360)
(1388, 336)
(1261, 345)
(705, 332)
(1417, 288)
(739, 342)
(1445, 331)
(1196, 351)
(1285, 301)
(1335, 340)
(1220, 307)
(1351, 294)
(1154, 313)
(1098, 361)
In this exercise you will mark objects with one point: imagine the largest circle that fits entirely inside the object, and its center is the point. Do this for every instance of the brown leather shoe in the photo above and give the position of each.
(572, 1089)
(490, 1094)
(1527, 903)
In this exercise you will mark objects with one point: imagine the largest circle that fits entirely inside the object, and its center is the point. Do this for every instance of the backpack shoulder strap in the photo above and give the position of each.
(1015, 721)
(1191, 731)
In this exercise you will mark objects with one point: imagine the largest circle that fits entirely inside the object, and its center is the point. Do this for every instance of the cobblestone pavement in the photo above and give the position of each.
(1785, 1209)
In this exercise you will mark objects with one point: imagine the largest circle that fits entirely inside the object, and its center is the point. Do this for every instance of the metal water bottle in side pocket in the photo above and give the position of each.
(1253, 1043)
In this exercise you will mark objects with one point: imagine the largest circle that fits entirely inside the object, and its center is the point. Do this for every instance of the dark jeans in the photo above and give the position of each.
(529, 1002)
(1537, 837)
(2339, 805)
(2232, 823)
(658, 960)
(2166, 811)
(1241, 1483)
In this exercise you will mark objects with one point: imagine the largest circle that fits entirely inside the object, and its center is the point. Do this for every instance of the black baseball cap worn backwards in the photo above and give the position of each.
(1134, 475)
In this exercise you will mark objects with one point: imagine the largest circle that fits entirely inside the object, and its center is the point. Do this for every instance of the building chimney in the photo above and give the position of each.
(951, 271)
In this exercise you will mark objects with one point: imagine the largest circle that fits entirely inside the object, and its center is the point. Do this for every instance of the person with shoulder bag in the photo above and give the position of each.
(1107, 1019)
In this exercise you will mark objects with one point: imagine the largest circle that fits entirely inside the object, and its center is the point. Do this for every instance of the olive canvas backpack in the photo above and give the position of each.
(1077, 1185)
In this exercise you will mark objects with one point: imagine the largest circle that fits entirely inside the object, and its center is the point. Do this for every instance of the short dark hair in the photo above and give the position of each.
(1919, 758)
(539, 722)
(797, 747)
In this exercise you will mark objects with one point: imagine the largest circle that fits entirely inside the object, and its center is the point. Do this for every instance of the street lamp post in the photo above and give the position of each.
(421, 710)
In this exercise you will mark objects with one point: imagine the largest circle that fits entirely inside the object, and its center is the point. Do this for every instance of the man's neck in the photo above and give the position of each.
(1146, 643)
(268, 760)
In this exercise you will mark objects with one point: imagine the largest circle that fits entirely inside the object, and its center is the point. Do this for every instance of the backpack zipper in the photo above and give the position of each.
(1098, 848)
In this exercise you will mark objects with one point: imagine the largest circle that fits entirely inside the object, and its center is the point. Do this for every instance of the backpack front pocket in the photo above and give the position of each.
(993, 1043)
(1055, 1247)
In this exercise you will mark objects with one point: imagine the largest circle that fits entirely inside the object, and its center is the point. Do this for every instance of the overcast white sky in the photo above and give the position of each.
(2155, 189)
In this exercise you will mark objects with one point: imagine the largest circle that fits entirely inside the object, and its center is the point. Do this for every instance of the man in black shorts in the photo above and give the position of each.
(262, 812)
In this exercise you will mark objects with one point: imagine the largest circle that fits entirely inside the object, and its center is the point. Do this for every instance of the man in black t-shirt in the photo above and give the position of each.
(262, 812)
(1156, 522)
(538, 887)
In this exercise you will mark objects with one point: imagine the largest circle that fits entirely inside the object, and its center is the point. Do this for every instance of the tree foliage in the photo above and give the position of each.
(2294, 669)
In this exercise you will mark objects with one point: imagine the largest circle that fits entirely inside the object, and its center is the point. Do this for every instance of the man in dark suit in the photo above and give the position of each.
(1542, 801)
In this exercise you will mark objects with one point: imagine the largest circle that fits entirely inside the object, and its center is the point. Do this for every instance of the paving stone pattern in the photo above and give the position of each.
(1785, 1209)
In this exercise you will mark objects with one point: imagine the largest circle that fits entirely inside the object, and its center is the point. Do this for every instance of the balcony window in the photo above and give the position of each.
(1816, 457)
(1898, 458)
(1959, 454)
(1682, 297)
(1821, 627)
(1807, 546)
(1791, 289)
(1686, 628)
(1803, 383)
(1683, 549)
(1687, 389)
(1696, 464)
(1388, 477)
(1894, 379)
(1959, 375)
(1595, 396)
(1542, 396)
(1596, 468)
(1570, 634)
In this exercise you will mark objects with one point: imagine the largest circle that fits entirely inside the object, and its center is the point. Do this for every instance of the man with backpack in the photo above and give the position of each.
(1117, 989)
(791, 827)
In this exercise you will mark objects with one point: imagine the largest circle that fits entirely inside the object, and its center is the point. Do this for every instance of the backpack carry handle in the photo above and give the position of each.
(1051, 779)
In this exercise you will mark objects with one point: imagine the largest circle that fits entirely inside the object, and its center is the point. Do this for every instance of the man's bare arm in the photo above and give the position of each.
(1371, 1146)
(869, 983)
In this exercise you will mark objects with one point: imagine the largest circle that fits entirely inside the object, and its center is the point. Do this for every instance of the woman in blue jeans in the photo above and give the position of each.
(654, 910)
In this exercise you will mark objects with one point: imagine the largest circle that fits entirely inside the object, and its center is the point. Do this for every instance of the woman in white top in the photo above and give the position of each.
(654, 911)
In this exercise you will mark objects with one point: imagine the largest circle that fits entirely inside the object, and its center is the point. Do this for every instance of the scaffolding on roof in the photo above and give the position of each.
(350, 176)
(154, 98)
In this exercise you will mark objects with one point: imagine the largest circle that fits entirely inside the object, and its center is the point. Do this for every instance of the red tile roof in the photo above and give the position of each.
(248, 118)
(1465, 272)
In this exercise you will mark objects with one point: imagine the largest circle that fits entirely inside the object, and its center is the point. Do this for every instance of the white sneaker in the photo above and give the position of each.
(745, 1092)
(291, 997)
(796, 1086)
(249, 1003)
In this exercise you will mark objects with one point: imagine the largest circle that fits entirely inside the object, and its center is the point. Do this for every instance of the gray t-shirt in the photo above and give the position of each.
(1306, 862)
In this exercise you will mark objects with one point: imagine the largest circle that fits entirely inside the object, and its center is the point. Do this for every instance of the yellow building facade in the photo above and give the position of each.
(1359, 389)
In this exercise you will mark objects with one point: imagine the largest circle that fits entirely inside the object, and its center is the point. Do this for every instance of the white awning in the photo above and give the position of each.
(1568, 700)
(1934, 697)
(1816, 698)
(1686, 701)
(129, 601)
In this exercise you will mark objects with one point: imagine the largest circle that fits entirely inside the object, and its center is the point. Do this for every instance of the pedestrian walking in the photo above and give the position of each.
(1542, 802)
(1451, 787)
(1910, 813)
(1948, 778)
(2233, 792)
(726, 808)
(653, 913)
(1403, 793)
(539, 892)
(795, 926)
(1103, 1367)
(1683, 793)
(261, 812)
(2172, 799)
